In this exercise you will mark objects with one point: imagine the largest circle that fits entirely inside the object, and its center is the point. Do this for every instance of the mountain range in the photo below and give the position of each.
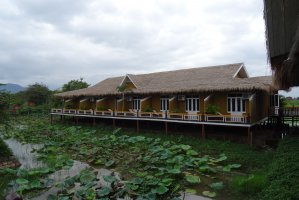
(11, 87)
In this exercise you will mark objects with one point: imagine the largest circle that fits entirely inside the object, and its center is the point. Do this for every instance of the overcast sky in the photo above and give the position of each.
(54, 41)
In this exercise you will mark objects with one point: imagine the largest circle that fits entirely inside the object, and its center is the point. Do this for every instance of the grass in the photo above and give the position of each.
(283, 176)
(291, 103)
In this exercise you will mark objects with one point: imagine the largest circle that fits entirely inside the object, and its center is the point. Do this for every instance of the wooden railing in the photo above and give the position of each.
(284, 111)
(161, 115)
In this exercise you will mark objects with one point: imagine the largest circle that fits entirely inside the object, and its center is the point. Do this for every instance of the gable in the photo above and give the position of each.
(129, 82)
(241, 73)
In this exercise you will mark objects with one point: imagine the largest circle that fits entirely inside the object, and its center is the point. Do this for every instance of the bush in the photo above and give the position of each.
(70, 105)
(40, 109)
(4, 150)
(212, 109)
(283, 176)
(148, 109)
(84, 106)
(102, 108)
(249, 184)
(175, 110)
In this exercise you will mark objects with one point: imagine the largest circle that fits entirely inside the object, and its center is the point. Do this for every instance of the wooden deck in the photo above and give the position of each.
(220, 120)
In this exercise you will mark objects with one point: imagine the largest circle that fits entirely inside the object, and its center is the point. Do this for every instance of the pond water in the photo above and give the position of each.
(28, 160)
(24, 154)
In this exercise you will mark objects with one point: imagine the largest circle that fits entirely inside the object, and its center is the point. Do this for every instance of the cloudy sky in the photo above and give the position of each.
(55, 41)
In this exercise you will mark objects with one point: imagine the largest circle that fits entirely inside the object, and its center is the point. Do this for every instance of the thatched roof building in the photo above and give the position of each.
(282, 23)
(231, 77)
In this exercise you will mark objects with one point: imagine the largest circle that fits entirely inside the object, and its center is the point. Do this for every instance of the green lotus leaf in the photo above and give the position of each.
(209, 194)
(192, 179)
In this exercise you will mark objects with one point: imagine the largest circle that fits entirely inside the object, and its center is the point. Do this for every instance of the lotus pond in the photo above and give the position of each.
(100, 163)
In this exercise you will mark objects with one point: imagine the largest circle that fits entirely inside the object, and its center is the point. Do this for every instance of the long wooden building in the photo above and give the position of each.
(215, 95)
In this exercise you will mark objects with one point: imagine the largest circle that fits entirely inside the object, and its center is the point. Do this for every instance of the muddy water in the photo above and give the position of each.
(28, 160)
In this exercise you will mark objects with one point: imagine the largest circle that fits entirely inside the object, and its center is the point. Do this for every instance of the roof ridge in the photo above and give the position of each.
(186, 69)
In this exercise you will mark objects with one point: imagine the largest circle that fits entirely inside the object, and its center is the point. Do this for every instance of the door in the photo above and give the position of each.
(236, 106)
(192, 107)
(164, 105)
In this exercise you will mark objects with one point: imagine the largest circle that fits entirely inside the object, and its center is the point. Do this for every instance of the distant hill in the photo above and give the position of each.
(12, 88)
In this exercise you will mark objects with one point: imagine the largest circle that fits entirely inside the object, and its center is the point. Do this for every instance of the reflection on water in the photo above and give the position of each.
(23, 153)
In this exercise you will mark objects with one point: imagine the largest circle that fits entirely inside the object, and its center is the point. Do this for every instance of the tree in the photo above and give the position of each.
(37, 94)
(74, 85)
(122, 89)
(4, 106)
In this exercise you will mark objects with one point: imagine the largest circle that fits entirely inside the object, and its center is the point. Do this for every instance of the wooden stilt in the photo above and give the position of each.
(94, 121)
(137, 124)
(51, 119)
(203, 132)
(114, 124)
(166, 128)
(250, 136)
(63, 117)
(77, 120)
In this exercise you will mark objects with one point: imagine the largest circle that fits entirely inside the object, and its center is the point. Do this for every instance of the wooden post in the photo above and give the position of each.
(137, 121)
(250, 136)
(51, 119)
(114, 124)
(292, 121)
(77, 120)
(93, 121)
(166, 128)
(203, 132)
(63, 117)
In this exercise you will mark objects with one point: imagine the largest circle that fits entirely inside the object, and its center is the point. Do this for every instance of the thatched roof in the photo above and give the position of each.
(282, 23)
(204, 79)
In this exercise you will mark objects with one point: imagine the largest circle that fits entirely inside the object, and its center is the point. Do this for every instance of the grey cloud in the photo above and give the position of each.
(56, 41)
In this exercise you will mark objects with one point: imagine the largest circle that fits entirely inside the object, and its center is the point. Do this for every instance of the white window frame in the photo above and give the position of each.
(236, 101)
(164, 103)
(192, 104)
(136, 103)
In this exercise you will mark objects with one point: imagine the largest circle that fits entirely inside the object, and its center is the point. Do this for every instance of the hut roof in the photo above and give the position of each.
(203, 79)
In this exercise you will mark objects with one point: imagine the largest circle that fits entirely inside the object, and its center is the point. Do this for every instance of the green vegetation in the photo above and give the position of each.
(151, 164)
(74, 85)
(291, 102)
(148, 108)
(249, 185)
(102, 108)
(37, 94)
(4, 150)
(123, 89)
(212, 109)
(283, 176)
(4, 105)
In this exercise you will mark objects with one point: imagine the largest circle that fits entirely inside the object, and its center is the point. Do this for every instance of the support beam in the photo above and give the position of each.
(51, 119)
(166, 128)
(114, 124)
(77, 120)
(94, 121)
(137, 124)
(250, 136)
(203, 132)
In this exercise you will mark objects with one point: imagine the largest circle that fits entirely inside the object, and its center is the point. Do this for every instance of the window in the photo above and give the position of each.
(192, 103)
(136, 103)
(236, 103)
(164, 103)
